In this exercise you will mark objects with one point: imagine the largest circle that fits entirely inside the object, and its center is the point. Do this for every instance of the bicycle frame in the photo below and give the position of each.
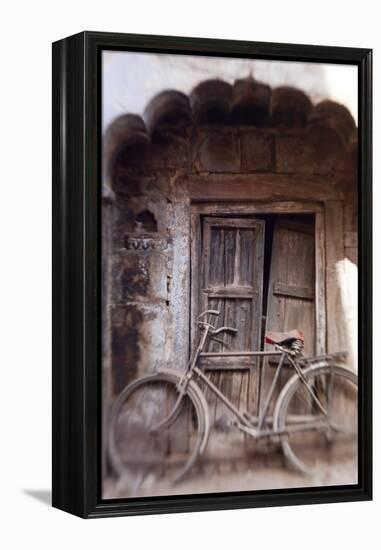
(255, 426)
(248, 422)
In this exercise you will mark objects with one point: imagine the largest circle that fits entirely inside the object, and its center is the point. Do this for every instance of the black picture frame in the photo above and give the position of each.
(76, 273)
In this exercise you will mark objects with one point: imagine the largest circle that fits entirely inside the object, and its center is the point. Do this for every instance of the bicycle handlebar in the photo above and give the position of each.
(227, 329)
(211, 311)
(216, 330)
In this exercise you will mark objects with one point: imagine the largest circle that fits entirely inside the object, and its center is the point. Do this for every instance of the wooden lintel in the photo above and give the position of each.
(257, 207)
(231, 187)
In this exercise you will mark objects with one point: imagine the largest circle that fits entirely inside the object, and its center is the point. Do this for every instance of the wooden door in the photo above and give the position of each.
(291, 293)
(231, 282)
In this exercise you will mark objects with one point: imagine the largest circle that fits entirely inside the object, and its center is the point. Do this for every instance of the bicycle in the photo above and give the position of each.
(160, 423)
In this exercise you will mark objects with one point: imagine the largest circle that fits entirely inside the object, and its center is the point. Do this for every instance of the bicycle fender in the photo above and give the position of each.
(196, 393)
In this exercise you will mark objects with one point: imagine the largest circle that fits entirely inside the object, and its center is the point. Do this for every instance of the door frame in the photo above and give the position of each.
(199, 209)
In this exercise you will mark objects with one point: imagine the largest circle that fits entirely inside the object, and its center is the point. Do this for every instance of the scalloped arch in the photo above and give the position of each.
(216, 102)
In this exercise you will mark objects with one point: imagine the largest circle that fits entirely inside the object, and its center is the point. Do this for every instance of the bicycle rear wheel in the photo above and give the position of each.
(320, 423)
(153, 434)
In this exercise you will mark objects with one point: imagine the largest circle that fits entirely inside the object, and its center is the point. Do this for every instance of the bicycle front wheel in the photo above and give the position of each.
(155, 434)
(317, 421)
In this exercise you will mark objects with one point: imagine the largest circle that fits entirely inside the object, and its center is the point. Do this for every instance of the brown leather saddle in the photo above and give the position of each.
(284, 338)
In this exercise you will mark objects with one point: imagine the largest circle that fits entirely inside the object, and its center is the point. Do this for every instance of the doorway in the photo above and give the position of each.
(258, 270)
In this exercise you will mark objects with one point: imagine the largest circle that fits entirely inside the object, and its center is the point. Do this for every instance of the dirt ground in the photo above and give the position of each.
(260, 473)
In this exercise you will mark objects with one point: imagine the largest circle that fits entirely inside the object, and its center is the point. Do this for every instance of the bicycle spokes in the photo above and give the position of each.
(319, 442)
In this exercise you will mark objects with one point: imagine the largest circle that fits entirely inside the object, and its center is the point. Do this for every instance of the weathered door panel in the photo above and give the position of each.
(291, 293)
(231, 282)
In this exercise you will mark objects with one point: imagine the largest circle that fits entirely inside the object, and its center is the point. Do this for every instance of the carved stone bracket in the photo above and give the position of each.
(145, 243)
